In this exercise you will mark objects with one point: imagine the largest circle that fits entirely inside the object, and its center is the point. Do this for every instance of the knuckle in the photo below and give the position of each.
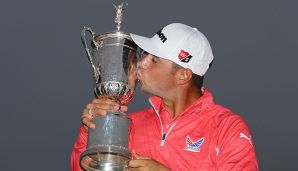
(87, 123)
(99, 111)
(85, 113)
(103, 106)
(89, 106)
(95, 100)
(114, 106)
(84, 121)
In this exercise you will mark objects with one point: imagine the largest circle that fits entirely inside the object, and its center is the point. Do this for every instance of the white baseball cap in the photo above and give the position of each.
(182, 44)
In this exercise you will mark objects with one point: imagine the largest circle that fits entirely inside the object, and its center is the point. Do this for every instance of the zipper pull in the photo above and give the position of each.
(162, 143)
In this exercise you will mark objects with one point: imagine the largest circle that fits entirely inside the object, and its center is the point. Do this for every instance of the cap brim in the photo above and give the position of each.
(146, 44)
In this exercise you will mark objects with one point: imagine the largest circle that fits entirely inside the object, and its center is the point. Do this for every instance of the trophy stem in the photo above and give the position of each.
(107, 144)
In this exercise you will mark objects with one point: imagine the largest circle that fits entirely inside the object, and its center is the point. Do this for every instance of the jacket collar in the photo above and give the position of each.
(202, 103)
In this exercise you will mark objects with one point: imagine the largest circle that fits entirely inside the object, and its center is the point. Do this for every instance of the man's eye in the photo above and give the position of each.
(144, 54)
(153, 60)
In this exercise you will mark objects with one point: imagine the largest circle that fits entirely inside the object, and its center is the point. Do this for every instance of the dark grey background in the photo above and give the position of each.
(46, 79)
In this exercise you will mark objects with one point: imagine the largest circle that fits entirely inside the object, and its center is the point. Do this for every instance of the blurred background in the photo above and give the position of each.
(46, 79)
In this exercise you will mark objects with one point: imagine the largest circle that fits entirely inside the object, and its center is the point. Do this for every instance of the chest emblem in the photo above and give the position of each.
(193, 146)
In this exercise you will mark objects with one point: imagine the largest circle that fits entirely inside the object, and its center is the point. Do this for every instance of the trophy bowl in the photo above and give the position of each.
(113, 59)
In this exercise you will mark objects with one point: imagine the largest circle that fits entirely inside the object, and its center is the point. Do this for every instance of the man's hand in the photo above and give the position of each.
(145, 164)
(99, 107)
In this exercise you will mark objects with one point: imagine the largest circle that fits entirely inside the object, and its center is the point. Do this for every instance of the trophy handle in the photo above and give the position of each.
(83, 38)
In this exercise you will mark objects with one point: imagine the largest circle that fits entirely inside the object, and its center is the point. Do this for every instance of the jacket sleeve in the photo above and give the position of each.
(235, 146)
(78, 149)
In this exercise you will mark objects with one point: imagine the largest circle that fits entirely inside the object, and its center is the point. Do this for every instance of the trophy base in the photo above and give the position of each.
(104, 162)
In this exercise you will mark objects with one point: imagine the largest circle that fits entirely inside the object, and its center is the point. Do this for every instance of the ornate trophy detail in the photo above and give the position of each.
(119, 11)
(113, 60)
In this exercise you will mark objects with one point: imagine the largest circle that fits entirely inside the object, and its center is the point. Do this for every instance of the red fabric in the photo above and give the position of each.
(225, 138)
(78, 148)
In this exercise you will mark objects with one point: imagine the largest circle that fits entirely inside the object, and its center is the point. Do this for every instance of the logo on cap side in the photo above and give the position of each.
(184, 56)
(162, 37)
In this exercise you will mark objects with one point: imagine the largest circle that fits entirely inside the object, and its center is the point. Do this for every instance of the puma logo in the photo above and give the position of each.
(246, 137)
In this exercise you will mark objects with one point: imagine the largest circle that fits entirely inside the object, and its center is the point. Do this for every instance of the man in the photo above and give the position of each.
(184, 129)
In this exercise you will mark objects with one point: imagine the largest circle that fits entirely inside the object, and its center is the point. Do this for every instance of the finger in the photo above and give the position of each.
(104, 106)
(104, 100)
(123, 108)
(138, 163)
(133, 169)
(87, 121)
(86, 114)
(97, 112)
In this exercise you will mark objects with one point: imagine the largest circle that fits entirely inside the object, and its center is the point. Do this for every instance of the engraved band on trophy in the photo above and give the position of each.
(113, 60)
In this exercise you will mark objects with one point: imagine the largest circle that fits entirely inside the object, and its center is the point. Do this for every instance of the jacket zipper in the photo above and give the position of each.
(163, 134)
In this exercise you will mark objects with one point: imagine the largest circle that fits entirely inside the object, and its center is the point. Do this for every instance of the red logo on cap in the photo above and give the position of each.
(184, 56)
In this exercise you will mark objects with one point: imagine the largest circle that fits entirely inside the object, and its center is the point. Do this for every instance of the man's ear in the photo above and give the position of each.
(183, 75)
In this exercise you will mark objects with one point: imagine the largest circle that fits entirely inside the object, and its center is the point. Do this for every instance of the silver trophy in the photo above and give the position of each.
(113, 59)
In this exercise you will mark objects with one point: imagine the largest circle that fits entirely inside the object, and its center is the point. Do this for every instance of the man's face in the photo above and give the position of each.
(156, 75)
